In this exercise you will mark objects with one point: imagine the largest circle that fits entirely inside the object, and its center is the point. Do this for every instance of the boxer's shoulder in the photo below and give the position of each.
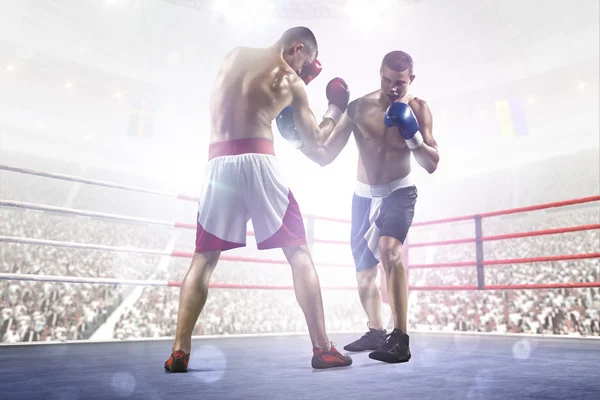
(370, 97)
(236, 52)
(420, 108)
(362, 105)
(284, 71)
(281, 77)
(416, 102)
(352, 109)
(244, 55)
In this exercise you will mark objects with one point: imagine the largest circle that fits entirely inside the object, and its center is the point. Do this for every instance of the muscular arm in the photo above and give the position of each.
(311, 133)
(335, 143)
(427, 155)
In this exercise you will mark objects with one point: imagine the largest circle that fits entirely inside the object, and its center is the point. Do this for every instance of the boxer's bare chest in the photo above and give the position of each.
(383, 154)
(372, 136)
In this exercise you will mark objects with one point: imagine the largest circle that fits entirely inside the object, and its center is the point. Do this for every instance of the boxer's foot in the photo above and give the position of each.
(329, 359)
(178, 362)
(371, 340)
(395, 349)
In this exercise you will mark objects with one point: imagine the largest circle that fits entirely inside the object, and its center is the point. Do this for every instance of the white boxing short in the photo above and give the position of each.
(242, 182)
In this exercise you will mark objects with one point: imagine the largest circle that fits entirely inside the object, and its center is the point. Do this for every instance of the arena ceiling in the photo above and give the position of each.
(297, 9)
(458, 46)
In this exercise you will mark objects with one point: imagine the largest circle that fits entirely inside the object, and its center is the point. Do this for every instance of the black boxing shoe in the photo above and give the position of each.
(395, 349)
(371, 340)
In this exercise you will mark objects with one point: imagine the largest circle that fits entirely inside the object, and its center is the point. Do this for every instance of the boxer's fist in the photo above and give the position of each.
(338, 95)
(287, 128)
(401, 116)
(311, 71)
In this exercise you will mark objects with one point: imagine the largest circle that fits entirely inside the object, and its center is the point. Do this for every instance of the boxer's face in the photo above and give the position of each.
(395, 84)
(298, 57)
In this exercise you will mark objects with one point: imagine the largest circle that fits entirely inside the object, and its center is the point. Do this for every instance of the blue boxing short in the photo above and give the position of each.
(382, 210)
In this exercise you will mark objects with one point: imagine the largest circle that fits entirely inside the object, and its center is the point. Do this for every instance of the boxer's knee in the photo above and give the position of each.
(202, 266)
(206, 261)
(298, 256)
(366, 279)
(391, 254)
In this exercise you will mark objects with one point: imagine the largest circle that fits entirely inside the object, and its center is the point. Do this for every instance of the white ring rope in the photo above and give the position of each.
(83, 213)
(134, 250)
(92, 182)
(95, 182)
(136, 282)
(73, 245)
(76, 279)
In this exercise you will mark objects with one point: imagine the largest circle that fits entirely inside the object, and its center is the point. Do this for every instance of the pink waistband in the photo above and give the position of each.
(240, 146)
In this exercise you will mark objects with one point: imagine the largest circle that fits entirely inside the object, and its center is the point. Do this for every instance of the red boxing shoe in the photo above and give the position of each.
(178, 362)
(329, 359)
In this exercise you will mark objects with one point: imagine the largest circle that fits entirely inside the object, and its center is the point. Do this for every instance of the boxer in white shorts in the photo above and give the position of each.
(242, 181)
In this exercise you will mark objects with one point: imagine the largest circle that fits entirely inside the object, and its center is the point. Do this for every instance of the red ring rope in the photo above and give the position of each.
(185, 254)
(9, 239)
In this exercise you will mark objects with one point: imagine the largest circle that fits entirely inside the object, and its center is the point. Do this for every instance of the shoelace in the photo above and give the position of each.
(390, 341)
(365, 336)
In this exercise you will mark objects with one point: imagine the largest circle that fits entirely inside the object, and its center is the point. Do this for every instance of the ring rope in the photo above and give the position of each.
(509, 236)
(176, 253)
(507, 261)
(510, 211)
(83, 213)
(197, 199)
(134, 250)
(95, 182)
(167, 283)
(123, 218)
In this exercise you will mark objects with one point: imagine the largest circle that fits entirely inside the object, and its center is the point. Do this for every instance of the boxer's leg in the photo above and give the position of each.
(291, 237)
(278, 223)
(221, 225)
(370, 296)
(308, 293)
(397, 282)
(364, 237)
(194, 291)
(396, 216)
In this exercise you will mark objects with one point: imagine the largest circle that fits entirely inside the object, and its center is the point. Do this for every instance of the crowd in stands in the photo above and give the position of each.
(43, 311)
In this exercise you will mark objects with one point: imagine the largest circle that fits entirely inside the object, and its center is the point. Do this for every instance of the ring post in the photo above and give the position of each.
(479, 252)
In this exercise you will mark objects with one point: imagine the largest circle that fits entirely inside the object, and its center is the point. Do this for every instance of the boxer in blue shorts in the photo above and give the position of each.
(389, 126)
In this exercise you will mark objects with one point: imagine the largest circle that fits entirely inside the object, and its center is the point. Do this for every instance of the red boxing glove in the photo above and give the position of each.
(311, 71)
(338, 94)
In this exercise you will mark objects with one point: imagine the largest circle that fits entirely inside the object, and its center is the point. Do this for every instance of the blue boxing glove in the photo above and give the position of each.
(287, 128)
(285, 119)
(401, 116)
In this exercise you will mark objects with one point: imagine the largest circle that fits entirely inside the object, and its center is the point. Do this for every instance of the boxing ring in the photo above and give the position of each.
(448, 365)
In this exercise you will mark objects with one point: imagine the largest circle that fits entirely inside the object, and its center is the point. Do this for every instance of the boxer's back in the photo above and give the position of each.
(383, 154)
(250, 90)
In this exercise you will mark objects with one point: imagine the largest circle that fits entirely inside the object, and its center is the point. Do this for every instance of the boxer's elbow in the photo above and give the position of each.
(317, 155)
(324, 163)
(428, 158)
(428, 165)
(322, 158)
(431, 166)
